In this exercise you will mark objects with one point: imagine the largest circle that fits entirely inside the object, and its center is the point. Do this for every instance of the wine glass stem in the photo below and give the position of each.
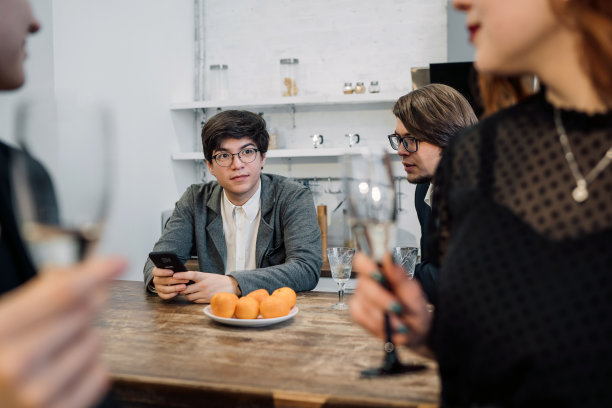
(340, 292)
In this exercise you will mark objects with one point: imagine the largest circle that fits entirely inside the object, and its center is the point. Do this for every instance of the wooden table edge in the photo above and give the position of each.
(280, 398)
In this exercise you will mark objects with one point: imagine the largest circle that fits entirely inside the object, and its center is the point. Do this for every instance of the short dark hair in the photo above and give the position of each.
(234, 124)
(434, 113)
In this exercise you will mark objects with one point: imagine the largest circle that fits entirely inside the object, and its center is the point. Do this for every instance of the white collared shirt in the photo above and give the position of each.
(240, 226)
(428, 195)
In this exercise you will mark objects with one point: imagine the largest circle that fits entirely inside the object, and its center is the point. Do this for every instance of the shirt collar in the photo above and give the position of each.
(251, 207)
(428, 195)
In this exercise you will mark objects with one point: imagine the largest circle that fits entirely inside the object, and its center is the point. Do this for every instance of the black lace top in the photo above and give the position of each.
(525, 287)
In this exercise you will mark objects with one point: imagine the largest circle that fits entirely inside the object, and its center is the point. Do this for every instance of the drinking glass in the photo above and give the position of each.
(341, 264)
(369, 185)
(406, 257)
(61, 178)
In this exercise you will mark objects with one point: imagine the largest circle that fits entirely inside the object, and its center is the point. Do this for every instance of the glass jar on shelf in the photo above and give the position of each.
(218, 86)
(273, 142)
(360, 88)
(348, 89)
(374, 87)
(289, 76)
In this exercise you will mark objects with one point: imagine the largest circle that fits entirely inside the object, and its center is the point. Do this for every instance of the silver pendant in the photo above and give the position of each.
(580, 193)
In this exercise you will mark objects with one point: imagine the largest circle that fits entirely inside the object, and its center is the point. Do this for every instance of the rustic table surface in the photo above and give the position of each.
(170, 354)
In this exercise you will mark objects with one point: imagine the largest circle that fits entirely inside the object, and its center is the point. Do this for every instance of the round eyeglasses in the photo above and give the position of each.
(245, 155)
(410, 143)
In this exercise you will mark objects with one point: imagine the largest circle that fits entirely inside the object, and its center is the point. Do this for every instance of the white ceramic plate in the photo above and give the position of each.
(259, 322)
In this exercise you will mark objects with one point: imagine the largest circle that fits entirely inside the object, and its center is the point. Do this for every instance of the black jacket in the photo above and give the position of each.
(425, 272)
(16, 265)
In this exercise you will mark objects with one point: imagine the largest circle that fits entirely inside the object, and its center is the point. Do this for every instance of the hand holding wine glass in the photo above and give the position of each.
(369, 185)
(60, 182)
(49, 353)
(371, 301)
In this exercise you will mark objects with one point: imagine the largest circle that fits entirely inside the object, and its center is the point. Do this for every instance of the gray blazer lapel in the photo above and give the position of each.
(265, 231)
(214, 228)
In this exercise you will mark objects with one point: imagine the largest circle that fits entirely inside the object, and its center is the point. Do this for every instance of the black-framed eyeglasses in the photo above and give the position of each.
(245, 155)
(410, 143)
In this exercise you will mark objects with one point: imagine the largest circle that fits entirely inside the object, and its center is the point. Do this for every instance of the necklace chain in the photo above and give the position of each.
(581, 192)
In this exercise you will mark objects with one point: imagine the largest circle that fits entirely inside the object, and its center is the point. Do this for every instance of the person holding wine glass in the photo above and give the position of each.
(49, 353)
(522, 204)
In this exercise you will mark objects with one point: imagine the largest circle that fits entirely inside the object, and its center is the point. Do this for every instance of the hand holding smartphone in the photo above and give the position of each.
(167, 260)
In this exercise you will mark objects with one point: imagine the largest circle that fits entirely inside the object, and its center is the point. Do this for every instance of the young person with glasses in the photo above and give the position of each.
(249, 230)
(426, 120)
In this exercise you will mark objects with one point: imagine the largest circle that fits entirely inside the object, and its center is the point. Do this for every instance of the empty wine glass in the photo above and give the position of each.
(341, 265)
(369, 185)
(406, 257)
(61, 178)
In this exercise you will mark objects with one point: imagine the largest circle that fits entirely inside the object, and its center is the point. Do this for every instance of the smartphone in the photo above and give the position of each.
(167, 260)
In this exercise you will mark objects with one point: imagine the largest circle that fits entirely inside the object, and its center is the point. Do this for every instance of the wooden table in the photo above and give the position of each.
(170, 354)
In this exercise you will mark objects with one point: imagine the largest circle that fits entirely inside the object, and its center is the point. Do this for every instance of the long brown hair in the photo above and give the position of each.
(592, 21)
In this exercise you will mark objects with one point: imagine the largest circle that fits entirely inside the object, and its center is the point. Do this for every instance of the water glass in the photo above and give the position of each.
(341, 265)
(406, 257)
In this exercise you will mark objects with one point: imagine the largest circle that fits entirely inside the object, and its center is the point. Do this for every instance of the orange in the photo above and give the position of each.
(274, 306)
(288, 294)
(247, 308)
(223, 304)
(259, 294)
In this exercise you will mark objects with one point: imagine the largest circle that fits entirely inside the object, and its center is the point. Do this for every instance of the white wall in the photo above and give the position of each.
(138, 56)
(457, 37)
(336, 41)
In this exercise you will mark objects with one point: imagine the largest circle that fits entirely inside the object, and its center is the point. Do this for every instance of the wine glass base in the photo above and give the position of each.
(394, 370)
(339, 306)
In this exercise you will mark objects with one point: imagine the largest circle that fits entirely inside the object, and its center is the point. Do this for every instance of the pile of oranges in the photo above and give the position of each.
(278, 304)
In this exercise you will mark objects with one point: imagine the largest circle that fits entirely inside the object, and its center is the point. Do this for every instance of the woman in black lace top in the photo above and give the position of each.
(523, 219)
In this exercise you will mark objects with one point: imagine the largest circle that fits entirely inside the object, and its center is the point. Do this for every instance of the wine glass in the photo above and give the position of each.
(341, 264)
(406, 257)
(369, 185)
(61, 178)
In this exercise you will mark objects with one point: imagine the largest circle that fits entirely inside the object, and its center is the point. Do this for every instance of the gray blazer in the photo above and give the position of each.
(288, 248)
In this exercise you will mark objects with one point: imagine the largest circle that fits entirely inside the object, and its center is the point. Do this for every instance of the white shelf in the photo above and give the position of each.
(286, 153)
(377, 98)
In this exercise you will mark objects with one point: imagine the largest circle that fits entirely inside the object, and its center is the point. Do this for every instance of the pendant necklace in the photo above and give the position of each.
(580, 193)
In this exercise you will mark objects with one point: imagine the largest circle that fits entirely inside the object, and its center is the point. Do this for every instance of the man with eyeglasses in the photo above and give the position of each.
(427, 119)
(249, 230)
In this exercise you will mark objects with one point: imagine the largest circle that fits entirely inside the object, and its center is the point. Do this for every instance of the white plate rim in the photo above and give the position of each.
(260, 322)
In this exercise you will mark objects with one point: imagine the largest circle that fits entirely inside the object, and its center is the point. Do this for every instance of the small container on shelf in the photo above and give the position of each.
(218, 87)
(374, 87)
(360, 88)
(289, 76)
(273, 143)
(348, 89)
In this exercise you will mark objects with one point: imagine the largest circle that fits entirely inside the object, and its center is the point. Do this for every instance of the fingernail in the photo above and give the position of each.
(402, 329)
(378, 277)
(396, 308)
